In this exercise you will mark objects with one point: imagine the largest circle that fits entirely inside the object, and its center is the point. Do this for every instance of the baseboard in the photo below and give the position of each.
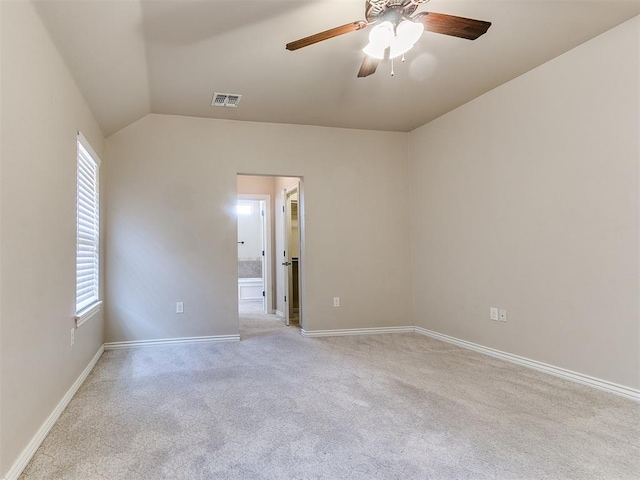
(279, 313)
(604, 385)
(355, 331)
(171, 341)
(25, 457)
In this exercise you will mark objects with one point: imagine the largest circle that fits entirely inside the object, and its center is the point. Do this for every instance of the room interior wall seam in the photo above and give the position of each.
(638, 219)
(410, 235)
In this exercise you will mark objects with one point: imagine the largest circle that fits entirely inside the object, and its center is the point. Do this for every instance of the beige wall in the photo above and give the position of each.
(41, 111)
(527, 199)
(171, 231)
(259, 185)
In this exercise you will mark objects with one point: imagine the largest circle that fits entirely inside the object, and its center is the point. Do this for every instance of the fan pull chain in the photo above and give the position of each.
(403, 58)
(392, 72)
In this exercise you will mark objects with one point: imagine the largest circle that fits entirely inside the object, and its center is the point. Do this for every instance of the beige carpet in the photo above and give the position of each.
(251, 307)
(280, 406)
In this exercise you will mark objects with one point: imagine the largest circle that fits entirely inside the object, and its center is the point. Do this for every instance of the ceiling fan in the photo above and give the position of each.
(396, 31)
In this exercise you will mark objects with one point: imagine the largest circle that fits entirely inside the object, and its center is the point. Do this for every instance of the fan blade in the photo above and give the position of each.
(368, 67)
(319, 37)
(452, 25)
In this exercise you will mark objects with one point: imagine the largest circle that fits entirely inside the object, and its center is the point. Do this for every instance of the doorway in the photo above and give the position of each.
(283, 246)
(253, 252)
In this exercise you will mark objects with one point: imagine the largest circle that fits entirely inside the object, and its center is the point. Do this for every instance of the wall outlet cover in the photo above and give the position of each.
(336, 301)
(493, 313)
(503, 315)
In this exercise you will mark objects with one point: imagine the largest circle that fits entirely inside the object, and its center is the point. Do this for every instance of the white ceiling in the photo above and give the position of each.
(133, 57)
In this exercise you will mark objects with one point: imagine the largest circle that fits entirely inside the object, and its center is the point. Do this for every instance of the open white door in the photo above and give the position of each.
(286, 262)
(254, 285)
(290, 254)
(265, 283)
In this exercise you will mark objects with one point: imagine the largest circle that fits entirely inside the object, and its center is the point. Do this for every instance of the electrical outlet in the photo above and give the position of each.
(493, 312)
(179, 307)
(503, 315)
(73, 336)
(336, 301)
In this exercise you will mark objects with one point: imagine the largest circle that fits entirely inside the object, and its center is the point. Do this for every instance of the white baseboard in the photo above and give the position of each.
(279, 313)
(355, 331)
(604, 385)
(25, 456)
(171, 341)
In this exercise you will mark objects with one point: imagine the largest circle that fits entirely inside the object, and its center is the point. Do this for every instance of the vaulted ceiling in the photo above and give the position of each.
(134, 57)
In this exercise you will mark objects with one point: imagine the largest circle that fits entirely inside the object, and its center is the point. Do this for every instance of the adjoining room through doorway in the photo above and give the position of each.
(270, 246)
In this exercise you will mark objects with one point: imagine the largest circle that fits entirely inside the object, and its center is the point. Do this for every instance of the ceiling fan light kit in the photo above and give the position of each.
(407, 34)
(380, 38)
(398, 39)
(396, 30)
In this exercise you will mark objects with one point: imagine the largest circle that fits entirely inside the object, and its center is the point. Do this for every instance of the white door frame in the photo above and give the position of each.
(302, 284)
(266, 238)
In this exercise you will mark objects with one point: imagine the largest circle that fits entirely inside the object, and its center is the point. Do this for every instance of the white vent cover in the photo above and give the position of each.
(225, 100)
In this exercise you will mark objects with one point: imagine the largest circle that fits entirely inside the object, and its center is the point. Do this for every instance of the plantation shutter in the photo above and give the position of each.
(87, 246)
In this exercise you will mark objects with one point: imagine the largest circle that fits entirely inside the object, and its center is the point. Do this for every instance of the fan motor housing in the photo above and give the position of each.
(375, 10)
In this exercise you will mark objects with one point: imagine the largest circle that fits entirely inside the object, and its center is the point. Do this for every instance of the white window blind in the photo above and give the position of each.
(88, 231)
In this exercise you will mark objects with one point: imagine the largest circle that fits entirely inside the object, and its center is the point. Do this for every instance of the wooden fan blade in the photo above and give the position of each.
(368, 67)
(452, 25)
(319, 37)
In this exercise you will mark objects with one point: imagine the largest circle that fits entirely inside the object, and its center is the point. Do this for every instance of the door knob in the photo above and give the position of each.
(286, 264)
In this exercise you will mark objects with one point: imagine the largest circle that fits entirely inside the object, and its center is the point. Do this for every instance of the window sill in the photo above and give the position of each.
(88, 313)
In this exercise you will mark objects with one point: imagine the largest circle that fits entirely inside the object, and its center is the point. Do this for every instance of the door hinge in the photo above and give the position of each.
(263, 293)
(263, 253)
(262, 212)
(285, 298)
(282, 208)
(284, 253)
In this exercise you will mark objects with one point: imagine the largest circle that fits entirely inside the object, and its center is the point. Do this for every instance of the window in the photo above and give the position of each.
(88, 230)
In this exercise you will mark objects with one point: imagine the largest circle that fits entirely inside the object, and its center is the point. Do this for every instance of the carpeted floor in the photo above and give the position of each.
(251, 307)
(280, 406)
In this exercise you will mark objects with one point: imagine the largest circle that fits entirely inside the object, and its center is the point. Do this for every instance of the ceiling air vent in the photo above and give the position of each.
(225, 100)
